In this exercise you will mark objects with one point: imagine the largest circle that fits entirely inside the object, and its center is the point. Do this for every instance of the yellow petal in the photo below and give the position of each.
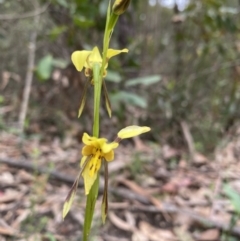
(101, 142)
(95, 56)
(87, 150)
(113, 52)
(132, 131)
(79, 58)
(94, 164)
(88, 140)
(108, 147)
(88, 180)
(109, 156)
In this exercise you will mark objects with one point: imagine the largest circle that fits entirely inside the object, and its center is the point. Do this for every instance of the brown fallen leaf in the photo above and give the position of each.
(182, 233)
(6, 231)
(199, 159)
(140, 145)
(23, 214)
(170, 187)
(209, 235)
(156, 234)
(10, 196)
(141, 191)
(139, 236)
(120, 223)
(169, 152)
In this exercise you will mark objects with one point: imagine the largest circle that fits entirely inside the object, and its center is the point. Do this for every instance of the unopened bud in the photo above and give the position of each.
(120, 6)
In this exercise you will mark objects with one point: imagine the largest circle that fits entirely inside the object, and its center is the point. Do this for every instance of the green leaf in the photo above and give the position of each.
(56, 31)
(63, 3)
(129, 98)
(83, 22)
(1, 99)
(113, 76)
(233, 196)
(147, 80)
(44, 67)
(60, 63)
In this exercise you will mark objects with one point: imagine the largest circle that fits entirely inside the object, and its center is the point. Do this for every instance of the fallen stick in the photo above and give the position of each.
(27, 165)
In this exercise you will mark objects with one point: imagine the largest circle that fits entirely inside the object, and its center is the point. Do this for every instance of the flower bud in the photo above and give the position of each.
(120, 6)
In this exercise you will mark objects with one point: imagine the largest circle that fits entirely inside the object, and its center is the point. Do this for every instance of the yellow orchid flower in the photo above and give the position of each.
(86, 59)
(98, 150)
(95, 151)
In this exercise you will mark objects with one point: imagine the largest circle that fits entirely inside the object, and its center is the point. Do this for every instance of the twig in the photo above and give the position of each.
(188, 138)
(29, 76)
(24, 15)
(40, 170)
(216, 192)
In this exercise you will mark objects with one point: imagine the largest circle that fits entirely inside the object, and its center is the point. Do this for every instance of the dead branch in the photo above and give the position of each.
(188, 138)
(27, 165)
(29, 76)
(24, 15)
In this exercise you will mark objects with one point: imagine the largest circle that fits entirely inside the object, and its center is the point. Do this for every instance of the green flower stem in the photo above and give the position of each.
(110, 24)
(90, 206)
(97, 97)
(98, 79)
(93, 194)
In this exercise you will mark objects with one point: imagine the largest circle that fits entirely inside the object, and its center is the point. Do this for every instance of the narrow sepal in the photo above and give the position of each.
(107, 100)
(70, 197)
(104, 208)
(84, 97)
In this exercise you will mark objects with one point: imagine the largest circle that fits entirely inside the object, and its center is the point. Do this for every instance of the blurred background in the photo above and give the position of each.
(182, 65)
(181, 77)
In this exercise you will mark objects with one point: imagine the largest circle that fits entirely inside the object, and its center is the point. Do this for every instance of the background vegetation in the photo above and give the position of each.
(182, 66)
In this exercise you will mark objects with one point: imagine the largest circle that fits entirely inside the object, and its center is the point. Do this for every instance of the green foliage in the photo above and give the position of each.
(233, 196)
(113, 76)
(128, 98)
(46, 64)
(191, 64)
(44, 67)
(147, 80)
(1, 99)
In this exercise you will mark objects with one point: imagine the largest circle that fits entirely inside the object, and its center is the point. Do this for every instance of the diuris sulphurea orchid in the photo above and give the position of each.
(95, 152)
(86, 59)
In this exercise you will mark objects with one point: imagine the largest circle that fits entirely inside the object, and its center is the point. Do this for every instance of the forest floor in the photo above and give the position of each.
(156, 193)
